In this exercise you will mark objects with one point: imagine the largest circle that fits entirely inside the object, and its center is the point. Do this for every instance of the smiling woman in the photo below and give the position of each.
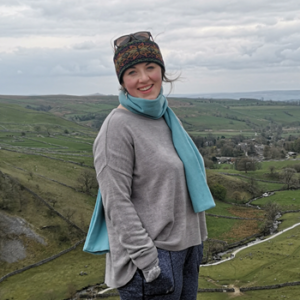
(152, 182)
(143, 80)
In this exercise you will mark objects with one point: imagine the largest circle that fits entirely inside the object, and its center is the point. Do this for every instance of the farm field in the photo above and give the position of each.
(268, 263)
(290, 292)
(288, 200)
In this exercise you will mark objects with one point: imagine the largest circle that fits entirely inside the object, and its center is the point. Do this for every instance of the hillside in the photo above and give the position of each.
(48, 188)
(199, 116)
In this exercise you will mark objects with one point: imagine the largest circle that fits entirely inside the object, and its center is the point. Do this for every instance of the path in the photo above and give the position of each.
(232, 256)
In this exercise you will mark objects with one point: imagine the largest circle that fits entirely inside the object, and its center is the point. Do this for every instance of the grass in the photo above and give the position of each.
(284, 198)
(267, 263)
(37, 215)
(198, 115)
(291, 292)
(288, 220)
(64, 172)
(221, 208)
(57, 277)
(16, 115)
(225, 209)
(231, 230)
(232, 185)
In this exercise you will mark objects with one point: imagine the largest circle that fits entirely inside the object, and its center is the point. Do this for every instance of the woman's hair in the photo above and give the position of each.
(166, 78)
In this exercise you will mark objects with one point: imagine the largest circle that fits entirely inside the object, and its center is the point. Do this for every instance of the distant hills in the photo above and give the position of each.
(276, 95)
(280, 95)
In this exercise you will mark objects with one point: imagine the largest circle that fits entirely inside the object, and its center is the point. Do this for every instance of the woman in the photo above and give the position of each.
(152, 182)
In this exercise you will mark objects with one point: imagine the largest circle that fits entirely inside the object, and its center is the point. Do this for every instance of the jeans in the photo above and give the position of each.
(178, 279)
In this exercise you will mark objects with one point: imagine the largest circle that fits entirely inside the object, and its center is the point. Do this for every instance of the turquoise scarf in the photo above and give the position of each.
(97, 240)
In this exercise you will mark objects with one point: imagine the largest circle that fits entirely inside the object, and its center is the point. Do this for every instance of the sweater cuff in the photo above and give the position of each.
(152, 271)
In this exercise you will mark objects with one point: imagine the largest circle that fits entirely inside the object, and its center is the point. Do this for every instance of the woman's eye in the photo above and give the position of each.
(150, 67)
(131, 72)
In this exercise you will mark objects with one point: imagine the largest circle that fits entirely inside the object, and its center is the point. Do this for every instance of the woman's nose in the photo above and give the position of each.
(143, 76)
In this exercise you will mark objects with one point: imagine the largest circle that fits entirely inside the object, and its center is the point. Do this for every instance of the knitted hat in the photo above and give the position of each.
(136, 52)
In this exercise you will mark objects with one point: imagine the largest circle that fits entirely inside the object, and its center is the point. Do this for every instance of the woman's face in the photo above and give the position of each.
(143, 80)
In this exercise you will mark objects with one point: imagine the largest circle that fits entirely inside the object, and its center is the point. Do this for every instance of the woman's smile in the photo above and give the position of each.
(143, 80)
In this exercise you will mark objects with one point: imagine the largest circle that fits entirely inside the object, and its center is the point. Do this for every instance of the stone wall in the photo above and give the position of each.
(269, 287)
(228, 217)
(42, 261)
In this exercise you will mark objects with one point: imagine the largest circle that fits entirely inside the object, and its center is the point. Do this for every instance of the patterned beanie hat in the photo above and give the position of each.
(136, 52)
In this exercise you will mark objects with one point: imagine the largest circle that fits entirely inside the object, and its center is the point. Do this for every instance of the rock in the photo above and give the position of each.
(12, 248)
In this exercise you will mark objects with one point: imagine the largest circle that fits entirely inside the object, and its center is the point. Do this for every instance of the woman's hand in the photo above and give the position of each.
(150, 274)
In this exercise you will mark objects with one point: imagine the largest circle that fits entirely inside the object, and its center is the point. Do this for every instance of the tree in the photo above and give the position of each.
(214, 246)
(227, 150)
(87, 181)
(208, 163)
(288, 175)
(297, 145)
(218, 191)
(272, 210)
(267, 152)
(272, 169)
(69, 213)
(251, 149)
(245, 164)
(297, 168)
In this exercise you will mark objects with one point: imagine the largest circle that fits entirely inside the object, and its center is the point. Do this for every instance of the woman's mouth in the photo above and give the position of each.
(146, 88)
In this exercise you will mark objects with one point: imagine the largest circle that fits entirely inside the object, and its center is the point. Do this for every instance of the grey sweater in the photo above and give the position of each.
(144, 194)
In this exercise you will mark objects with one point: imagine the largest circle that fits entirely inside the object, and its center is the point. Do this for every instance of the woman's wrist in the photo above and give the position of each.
(152, 272)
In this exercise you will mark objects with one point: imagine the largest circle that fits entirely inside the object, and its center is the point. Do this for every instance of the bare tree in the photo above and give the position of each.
(69, 213)
(87, 181)
(272, 169)
(53, 201)
(288, 176)
(82, 222)
(214, 246)
(272, 209)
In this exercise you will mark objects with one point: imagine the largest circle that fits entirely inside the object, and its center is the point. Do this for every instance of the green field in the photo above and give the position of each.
(57, 278)
(267, 263)
(288, 200)
(290, 292)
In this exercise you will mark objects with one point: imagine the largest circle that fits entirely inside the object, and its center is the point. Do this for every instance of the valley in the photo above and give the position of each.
(48, 184)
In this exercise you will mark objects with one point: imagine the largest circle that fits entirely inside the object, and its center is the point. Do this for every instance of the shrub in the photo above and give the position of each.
(237, 196)
(297, 168)
(208, 163)
(218, 191)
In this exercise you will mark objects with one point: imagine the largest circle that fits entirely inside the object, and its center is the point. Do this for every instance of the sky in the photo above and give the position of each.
(65, 46)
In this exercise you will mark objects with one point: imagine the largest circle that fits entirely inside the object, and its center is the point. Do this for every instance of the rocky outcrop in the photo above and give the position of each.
(11, 246)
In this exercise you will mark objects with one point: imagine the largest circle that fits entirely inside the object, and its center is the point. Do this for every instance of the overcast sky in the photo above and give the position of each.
(65, 46)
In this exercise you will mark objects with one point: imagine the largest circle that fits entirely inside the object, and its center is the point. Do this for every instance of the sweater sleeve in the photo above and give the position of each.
(114, 164)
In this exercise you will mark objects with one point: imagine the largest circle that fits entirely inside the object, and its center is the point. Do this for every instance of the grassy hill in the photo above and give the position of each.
(197, 115)
(46, 152)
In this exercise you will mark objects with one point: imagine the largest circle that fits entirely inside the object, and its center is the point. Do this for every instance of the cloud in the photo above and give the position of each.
(56, 62)
(73, 38)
